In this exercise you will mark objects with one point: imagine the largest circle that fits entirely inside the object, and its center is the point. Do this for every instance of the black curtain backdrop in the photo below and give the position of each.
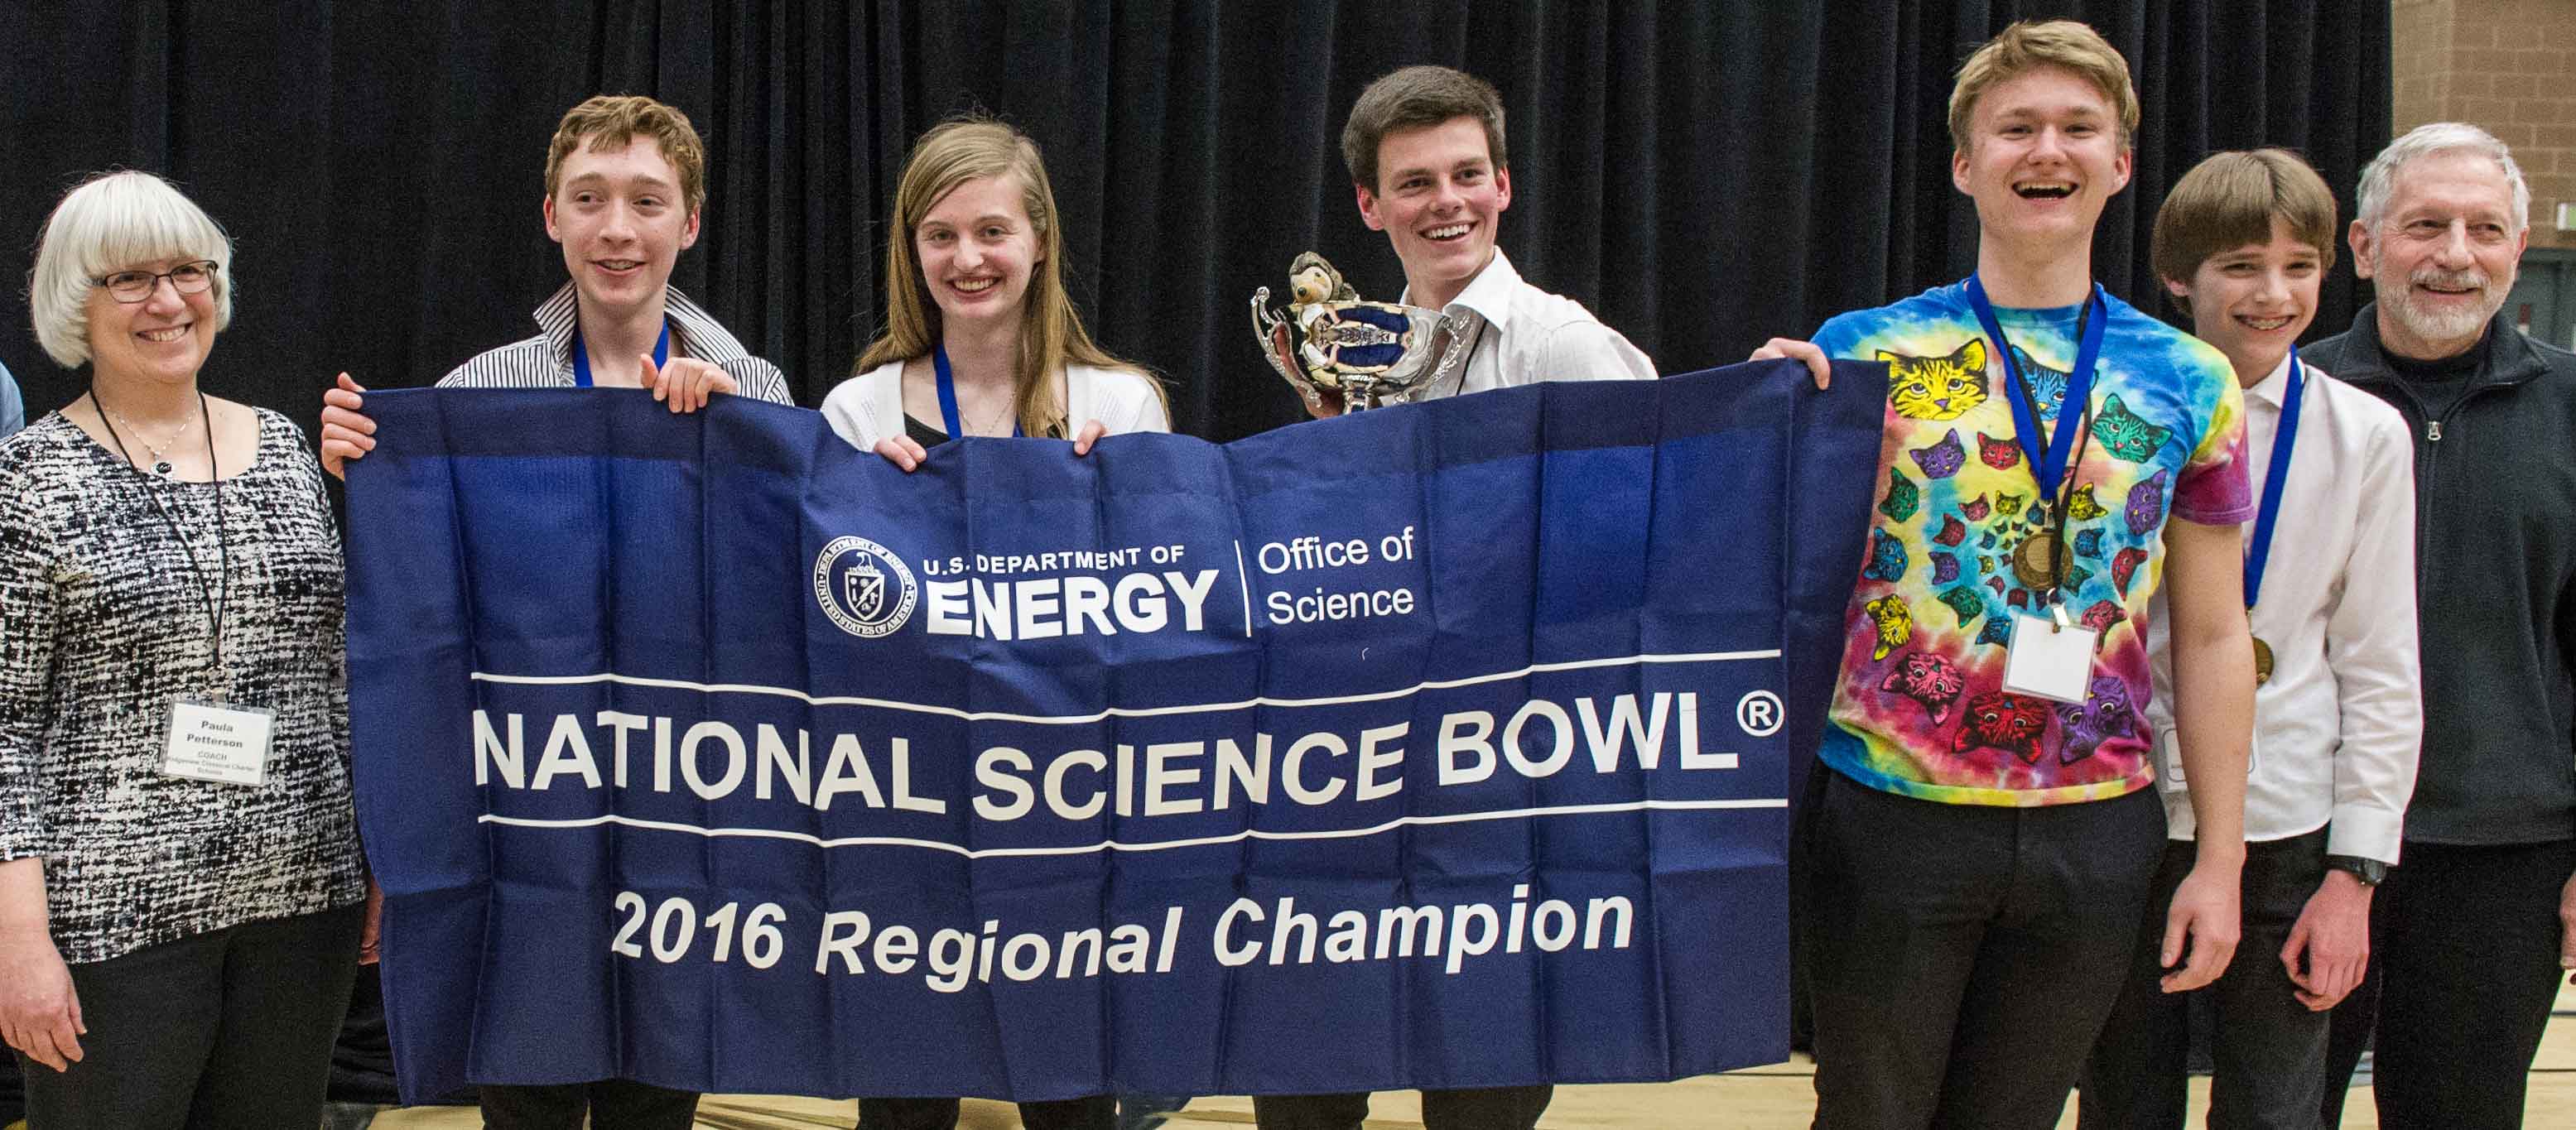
(1701, 175)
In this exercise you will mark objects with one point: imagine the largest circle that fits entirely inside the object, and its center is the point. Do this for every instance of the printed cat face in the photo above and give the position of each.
(1943, 459)
(1937, 388)
(2000, 720)
(1887, 558)
(1927, 679)
(1894, 622)
(2146, 507)
(1966, 602)
(2127, 435)
(2082, 506)
(2001, 454)
(2105, 714)
(2047, 385)
(1903, 497)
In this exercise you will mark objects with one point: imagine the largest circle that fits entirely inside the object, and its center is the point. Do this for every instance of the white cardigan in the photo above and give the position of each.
(869, 407)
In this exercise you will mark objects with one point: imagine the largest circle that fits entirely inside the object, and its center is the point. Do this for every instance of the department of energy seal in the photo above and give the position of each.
(863, 587)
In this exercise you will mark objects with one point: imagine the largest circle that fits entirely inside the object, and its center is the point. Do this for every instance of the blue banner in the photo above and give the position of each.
(1440, 746)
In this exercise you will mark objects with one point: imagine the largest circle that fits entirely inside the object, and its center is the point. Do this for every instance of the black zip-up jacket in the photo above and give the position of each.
(2495, 552)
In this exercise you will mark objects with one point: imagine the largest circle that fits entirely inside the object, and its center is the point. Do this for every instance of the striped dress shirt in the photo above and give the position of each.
(545, 361)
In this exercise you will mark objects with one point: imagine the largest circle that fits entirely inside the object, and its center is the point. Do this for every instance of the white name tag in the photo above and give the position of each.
(2169, 775)
(214, 742)
(2050, 660)
(2169, 772)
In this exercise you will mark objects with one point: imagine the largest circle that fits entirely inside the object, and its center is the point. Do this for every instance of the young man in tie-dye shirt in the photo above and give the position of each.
(1980, 848)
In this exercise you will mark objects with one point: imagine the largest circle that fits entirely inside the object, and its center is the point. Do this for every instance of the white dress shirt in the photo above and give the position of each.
(1523, 335)
(2338, 728)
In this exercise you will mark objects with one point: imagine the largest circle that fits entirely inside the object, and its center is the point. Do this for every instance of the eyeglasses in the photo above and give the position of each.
(136, 286)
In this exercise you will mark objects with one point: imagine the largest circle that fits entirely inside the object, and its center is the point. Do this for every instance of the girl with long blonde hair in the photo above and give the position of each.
(980, 338)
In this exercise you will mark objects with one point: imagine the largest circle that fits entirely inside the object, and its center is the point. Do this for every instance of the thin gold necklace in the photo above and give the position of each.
(160, 464)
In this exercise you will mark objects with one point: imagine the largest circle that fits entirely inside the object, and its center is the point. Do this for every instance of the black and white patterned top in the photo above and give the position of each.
(102, 622)
(545, 361)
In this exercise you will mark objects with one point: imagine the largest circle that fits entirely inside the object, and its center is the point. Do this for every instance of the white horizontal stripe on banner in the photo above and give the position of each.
(1119, 712)
(1120, 845)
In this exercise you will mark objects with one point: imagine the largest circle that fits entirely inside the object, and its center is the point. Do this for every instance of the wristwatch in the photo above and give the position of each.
(2371, 872)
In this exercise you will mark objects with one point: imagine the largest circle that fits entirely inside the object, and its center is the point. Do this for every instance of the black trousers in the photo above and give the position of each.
(1481, 1108)
(2270, 1049)
(2463, 971)
(1962, 958)
(1098, 1112)
(226, 1029)
(610, 1104)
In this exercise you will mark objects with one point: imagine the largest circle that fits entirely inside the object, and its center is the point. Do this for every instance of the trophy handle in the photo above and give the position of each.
(1280, 347)
(1453, 356)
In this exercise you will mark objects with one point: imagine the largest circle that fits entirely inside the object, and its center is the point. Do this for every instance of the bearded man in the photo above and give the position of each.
(2470, 932)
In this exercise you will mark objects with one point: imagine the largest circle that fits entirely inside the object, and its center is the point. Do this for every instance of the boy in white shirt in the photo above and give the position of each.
(1425, 150)
(2242, 242)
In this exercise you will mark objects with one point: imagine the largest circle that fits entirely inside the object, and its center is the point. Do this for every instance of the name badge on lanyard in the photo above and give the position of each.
(213, 741)
(210, 740)
(2046, 655)
(2049, 657)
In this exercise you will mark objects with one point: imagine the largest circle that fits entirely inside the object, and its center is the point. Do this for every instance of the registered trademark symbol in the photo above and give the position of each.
(1759, 713)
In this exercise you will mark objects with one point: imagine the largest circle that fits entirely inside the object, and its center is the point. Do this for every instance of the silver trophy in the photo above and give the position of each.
(1372, 353)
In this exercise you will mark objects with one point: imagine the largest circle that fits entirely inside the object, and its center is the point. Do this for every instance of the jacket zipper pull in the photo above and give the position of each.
(2433, 431)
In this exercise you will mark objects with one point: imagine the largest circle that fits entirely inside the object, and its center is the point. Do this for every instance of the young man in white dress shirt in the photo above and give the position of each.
(1425, 150)
(2242, 242)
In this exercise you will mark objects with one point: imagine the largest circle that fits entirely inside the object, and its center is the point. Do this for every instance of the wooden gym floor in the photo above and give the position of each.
(1779, 1097)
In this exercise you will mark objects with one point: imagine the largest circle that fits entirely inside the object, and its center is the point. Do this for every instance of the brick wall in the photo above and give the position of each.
(2508, 66)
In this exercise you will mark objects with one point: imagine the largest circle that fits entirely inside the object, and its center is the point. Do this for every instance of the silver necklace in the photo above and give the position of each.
(160, 464)
(994, 425)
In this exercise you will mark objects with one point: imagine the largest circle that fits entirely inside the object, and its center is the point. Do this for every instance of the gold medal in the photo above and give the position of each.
(2262, 662)
(2038, 562)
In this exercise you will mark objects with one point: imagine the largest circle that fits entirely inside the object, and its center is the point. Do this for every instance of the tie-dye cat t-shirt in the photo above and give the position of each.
(1921, 709)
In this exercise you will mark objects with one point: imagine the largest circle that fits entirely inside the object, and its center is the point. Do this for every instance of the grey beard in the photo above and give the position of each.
(2434, 326)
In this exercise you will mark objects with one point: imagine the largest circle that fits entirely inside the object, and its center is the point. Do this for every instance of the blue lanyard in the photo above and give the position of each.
(2275, 474)
(581, 355)
(2047, 467)
(948, 394)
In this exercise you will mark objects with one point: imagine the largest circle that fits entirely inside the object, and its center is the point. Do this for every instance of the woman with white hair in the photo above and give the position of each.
(180, 887)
